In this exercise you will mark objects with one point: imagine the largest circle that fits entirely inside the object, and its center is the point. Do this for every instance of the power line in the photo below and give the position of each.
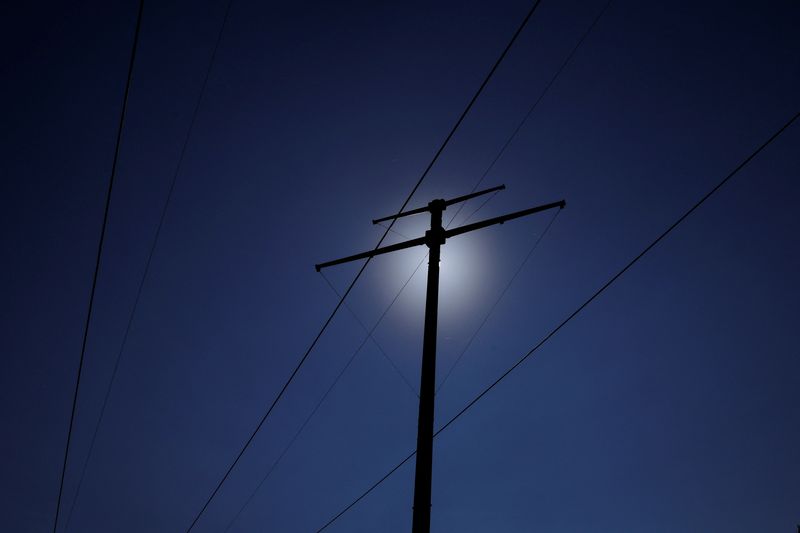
(497, 301)
(472, 214)
(327, 393)
(370, 489)
(370, 332)
(508, 141)
(577, 311)
(114, 162)
(533, 106)
(381, 224)
(363, 266)
(148, 262)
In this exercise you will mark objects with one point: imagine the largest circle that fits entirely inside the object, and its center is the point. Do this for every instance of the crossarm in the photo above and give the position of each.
(499, 220)
(446, 203)
(372, 253)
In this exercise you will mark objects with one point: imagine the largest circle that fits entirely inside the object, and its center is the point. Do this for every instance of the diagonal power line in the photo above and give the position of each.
(98, 257)
(149, 260)
(511, 137)
(370, 332)
(363, 266)
(497, 301)
(572, 315)
(533, 107)
(369, 335)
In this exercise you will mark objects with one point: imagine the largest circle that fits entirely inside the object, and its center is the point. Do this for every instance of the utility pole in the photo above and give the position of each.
(434, 238)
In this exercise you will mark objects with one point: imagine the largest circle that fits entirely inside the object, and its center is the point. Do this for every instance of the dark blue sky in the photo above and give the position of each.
(669, 404)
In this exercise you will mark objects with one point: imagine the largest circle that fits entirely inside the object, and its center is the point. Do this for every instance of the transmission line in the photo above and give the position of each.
(363, 266)
(148, 262)
(511, 137)
(370, 332)
(533, 107)
(97, 259)
(325, 396)
(497, 301)
(580, 308)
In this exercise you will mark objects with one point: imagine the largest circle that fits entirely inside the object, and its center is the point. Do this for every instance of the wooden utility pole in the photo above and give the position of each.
(434, 238)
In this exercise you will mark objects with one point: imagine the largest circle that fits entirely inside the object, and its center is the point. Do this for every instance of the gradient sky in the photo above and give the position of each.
(669, 404)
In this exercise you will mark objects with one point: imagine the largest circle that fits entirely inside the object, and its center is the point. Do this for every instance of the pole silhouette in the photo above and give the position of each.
(434, 238)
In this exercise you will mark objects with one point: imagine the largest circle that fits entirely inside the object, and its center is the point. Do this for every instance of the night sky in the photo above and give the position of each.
(669, 404)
